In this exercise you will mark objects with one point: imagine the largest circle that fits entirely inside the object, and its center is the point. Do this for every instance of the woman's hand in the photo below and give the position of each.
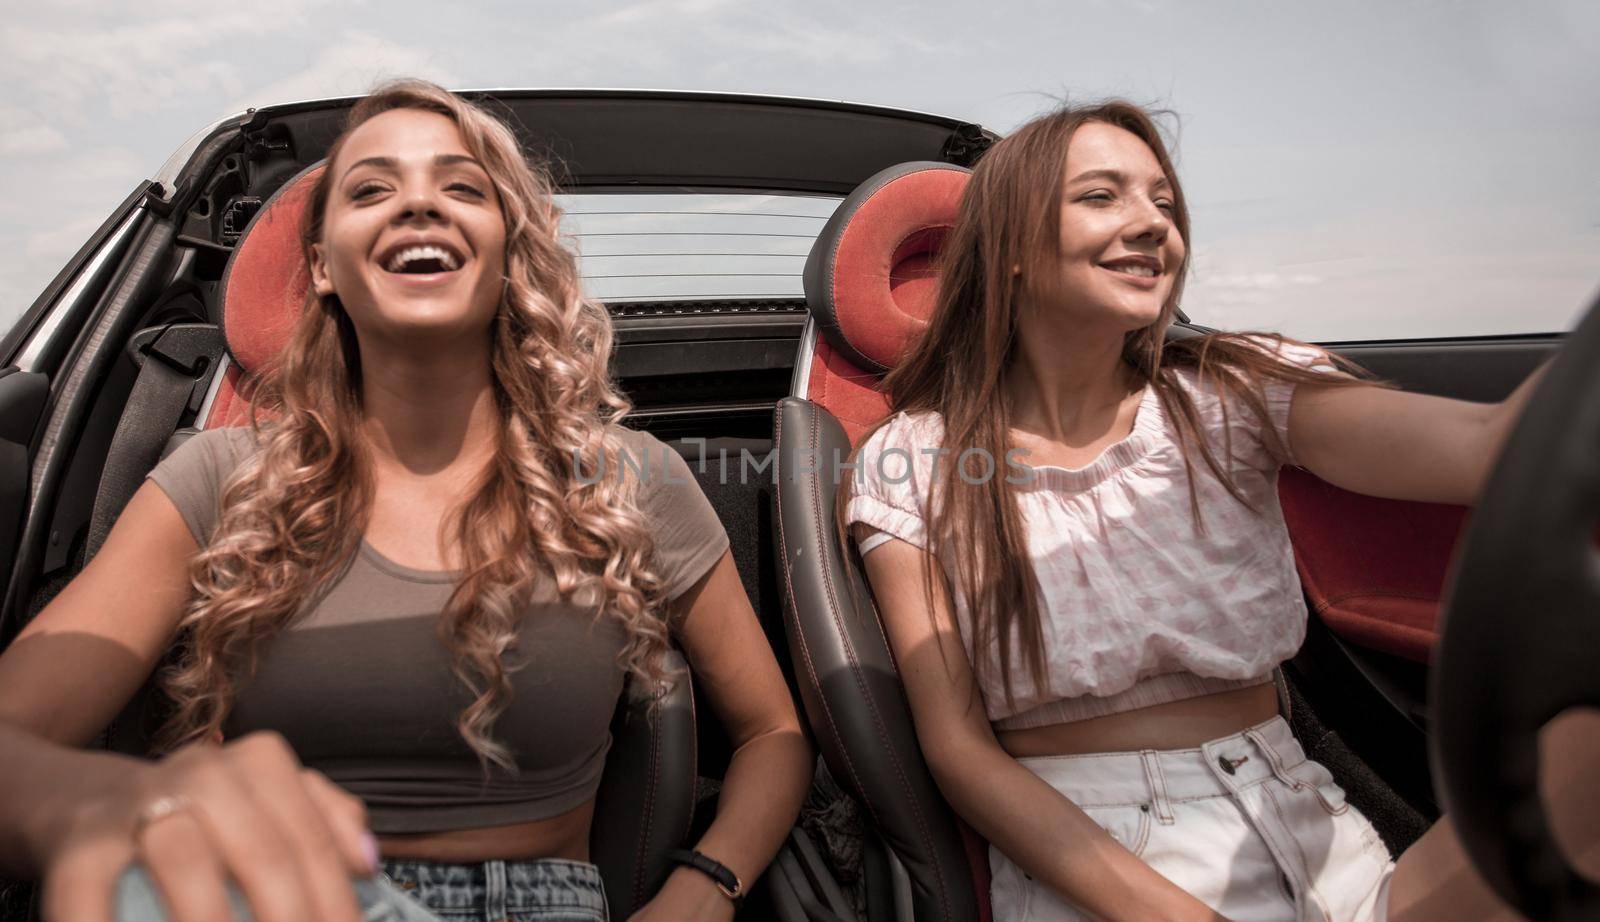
(245, 813)
(687, 894)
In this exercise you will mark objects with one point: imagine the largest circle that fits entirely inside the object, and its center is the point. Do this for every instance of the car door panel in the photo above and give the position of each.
(1375, 570)
(22, 400)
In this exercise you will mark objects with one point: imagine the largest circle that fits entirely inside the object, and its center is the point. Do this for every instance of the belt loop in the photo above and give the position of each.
(1158, 786)
(1273, 758)
(494, 897)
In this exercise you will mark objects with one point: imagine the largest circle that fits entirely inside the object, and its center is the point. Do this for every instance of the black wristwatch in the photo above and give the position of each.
(726, 881)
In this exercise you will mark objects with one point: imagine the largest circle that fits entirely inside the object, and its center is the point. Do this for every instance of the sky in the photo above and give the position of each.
(1355, 170)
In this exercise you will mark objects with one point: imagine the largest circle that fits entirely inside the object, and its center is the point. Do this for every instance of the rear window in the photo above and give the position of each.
(693, 245)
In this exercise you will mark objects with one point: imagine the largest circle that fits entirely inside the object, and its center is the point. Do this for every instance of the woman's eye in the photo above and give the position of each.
(366, 190)
(464, 187)
(1166, 206)
(1096, 197)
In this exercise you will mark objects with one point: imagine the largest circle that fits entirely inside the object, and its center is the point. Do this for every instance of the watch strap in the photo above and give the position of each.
(726, 881)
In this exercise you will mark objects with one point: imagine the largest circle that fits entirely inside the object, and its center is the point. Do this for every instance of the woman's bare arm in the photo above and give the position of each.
(286, 835)
(1402, 445)
(81, 659)
(771, 766)
(1034, 825)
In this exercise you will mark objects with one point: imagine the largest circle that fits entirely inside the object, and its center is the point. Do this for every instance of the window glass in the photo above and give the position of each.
(675, 246)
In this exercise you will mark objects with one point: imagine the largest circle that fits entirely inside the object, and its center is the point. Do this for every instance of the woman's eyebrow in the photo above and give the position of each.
(387, 163)
(453, 159)
(1116, 176)
(390, 163)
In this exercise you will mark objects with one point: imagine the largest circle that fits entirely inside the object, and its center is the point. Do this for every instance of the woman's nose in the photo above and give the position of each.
(418, 202)
(1150, 222)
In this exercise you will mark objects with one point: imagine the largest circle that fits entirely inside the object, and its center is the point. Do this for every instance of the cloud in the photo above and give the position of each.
(1254, 282)
(348, 65)
(133, 68)
(50, 207)
(741, 41)
(657, 11)
(54, 246)
(24, 134)
(1398, 272)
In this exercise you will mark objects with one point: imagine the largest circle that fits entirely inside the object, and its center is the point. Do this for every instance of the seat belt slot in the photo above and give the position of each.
(165, 392)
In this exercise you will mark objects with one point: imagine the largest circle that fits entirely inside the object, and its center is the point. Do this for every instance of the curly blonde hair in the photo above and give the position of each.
(293, 514)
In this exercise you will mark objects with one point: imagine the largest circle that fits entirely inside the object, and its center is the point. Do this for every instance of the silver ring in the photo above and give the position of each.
(159, 809)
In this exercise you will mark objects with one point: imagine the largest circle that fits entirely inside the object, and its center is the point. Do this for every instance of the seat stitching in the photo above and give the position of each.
(855, 670)
(1381, 594)
(805, 649)
(640, 858)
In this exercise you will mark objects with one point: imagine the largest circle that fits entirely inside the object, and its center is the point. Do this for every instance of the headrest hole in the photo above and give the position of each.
(264, 286)
(873, 274)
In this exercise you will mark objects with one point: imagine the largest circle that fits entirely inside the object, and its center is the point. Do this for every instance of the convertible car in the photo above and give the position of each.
(766, 260)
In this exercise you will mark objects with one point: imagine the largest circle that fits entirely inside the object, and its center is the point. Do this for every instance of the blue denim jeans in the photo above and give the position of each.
(549, 890)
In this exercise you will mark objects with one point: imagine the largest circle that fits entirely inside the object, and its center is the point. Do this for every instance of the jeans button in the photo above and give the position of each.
(1226, 765)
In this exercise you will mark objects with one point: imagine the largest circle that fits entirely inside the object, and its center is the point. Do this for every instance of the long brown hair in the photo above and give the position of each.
(1009, 219)
(294, 512)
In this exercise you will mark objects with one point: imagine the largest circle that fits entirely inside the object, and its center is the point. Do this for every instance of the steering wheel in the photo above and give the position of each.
(1520, 637)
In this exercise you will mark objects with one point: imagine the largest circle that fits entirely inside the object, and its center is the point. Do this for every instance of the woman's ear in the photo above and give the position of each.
(320, 282)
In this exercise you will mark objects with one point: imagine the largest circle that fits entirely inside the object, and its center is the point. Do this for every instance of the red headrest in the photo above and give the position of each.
(264, 285)
(871, 277)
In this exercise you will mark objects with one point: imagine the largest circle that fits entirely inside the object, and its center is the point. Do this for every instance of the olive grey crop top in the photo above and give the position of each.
(363, 690)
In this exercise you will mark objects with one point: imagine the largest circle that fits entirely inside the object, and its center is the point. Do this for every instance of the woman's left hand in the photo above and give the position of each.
(687, 895)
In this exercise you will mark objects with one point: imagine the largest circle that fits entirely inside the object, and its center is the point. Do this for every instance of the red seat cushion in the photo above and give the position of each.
(263, 291)
(1373, 569)
(871, 283)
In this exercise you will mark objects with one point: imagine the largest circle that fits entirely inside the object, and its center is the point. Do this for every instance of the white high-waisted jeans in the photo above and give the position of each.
(1246, 823)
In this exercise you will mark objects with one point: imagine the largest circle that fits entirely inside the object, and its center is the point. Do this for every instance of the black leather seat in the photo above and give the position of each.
(869, 285)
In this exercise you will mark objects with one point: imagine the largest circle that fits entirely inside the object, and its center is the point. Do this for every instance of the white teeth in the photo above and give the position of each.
(1139, 270)
(410, 254)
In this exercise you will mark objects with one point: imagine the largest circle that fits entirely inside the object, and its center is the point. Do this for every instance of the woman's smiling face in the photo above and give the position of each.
(413, 240)
(1119, 253)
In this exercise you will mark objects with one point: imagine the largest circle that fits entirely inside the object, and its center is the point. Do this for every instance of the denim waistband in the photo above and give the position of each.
(499, 886)
(1219, 767)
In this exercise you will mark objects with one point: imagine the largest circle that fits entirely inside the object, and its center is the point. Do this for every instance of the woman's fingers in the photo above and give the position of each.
(79, 886)
(258, 814)
(303, 816)
(183, 865)
(347, 819)
(248, 843)
(246, 812)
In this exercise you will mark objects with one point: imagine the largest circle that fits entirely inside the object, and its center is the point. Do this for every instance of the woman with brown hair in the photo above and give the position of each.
(419, 571)
(1089, 648)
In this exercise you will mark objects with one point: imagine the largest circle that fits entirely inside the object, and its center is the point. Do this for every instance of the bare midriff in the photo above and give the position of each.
(1182, 724)
(564, 836)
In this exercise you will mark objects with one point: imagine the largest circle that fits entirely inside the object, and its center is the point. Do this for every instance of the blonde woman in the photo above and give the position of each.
(422, 573)
(1088, 652)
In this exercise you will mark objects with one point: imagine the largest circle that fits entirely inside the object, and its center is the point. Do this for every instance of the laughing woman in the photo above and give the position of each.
(1089, 655)
(407, 575)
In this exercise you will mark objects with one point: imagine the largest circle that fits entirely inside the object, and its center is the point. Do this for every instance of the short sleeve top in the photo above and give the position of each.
(363, 690)
(1139, 605)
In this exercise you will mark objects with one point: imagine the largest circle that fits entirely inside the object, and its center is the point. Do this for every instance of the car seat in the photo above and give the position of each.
(870, 283)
